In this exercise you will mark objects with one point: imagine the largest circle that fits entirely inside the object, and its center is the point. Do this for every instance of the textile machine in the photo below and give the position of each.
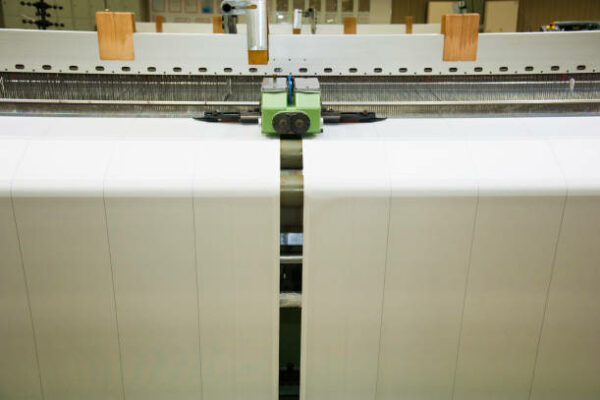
(317, 216)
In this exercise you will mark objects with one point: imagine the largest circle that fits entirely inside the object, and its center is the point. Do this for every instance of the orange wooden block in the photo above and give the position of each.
(258, 57)
(349, 25)
(296, 31)
(461, 34)
(218, 24)
(115, 35)
(408, 21)
(443, 24)
(159, 23)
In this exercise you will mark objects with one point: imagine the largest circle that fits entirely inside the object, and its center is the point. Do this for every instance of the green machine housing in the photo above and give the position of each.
(290, 111)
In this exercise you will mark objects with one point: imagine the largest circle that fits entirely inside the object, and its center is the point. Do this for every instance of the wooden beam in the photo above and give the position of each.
(159, 23)
(408, 22)
(217, 21)
(115, 35)
(461, 34)
(349, 25)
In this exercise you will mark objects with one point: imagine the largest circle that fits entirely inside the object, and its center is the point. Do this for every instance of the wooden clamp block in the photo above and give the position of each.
(461, 33)
(217, 21)
(408, 22)
(115, 35)
(349, 25)
(258, 57)
(159, 23)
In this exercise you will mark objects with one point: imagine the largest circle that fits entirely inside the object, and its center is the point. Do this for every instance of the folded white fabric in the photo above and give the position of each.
(452, 259)
(139, 260)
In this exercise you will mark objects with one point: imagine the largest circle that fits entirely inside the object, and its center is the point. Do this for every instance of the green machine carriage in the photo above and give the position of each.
(290, 106)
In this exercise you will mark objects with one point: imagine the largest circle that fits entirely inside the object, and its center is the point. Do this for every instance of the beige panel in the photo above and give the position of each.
(501, 16)
(19, 374)
(436, 9)
(61, 221)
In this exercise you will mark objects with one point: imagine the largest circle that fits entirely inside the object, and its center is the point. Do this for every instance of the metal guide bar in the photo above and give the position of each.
(390, 111)
(76, 53)
(458, 102)
(291, 259)
(133, 102)
(325, 103)
(290, 300)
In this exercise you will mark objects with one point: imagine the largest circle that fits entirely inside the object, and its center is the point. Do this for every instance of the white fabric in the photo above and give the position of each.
(139, 260)
(452, 258)
(444, 258)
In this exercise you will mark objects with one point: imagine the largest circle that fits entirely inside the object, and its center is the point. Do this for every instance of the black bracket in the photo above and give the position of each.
(42, 12)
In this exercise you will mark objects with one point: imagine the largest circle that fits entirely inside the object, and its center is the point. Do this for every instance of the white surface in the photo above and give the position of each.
(150, 259)
(486, 284)
(57, 196)
(149, 208)
(521, 200)
(19, 375)
(443, 259)
(434, 199)
(236, 203)
(571, 329)
(386, 53)
(344, 263)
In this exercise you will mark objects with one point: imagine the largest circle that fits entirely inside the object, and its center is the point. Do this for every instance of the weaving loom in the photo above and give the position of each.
(436, 238)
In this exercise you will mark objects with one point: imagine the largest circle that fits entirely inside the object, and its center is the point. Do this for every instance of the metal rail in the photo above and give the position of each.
(458, 102)
(133, 102)
(290, 300)
(325, 103)
(290, 259)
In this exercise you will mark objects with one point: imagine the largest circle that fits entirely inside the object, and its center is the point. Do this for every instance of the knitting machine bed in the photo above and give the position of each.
(60, 73)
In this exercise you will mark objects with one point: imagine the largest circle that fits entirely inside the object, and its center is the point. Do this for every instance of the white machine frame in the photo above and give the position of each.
(350, 55)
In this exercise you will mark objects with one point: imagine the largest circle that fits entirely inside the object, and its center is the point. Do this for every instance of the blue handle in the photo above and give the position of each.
(290, 85)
